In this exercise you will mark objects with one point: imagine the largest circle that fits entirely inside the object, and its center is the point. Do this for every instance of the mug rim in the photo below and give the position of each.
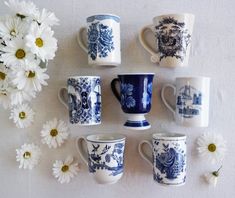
(193, 77)
(168, 136)
(179, 14)
(106, 14)
(111, 137)
(76, 77)
(138, 73)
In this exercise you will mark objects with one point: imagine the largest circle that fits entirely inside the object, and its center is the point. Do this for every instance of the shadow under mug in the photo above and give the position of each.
(103, 40)
(104, 156)
(168, 158)
(82, 98)
(192, 95)
(135, 97)
(173, 34)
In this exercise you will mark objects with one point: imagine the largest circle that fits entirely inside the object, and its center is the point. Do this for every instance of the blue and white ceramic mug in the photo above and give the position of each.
(104, 156)
(192, 97)
(135, 97)
(168, 158)
(82, 97)
(103, 40)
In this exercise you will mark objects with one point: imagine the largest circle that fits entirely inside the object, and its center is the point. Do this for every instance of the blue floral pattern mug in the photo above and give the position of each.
(169, 158)
(83, 99)
(104, 156)
(103, 39)
(135, 97)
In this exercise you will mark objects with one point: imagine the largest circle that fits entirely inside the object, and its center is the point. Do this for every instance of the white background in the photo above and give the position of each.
(212, 55)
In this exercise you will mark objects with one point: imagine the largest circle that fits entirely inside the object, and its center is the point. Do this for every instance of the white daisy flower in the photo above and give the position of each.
(15, 53)
(20, 96)
(46, 17)
(63, 171)
(22, 115)
(212, 147)
(28, 156)
(212, 178)
(5, 97)
(22, 9)
(12, 27)
(41, 41)
(54, 133)
(30, 76)
(3, 76)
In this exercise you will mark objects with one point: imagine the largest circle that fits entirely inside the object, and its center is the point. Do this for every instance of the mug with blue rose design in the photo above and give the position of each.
(103, 40)
(135, 97)
(82, 98)
(168, 158)
(104, 156)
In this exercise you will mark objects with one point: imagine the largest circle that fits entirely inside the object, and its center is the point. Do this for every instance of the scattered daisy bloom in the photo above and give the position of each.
(64, 171)
(41, 41)
(46, 17)
(22, 115)
(212, 178)
(28, 156)
(212, 147)
(5, 98)
(20, 96)
(15, 53)
(29, 77)
(3, 76)
(22, 9)
(54, 133)
(12, 27)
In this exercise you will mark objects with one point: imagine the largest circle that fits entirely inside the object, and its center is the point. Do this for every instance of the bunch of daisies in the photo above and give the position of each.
(27, 43)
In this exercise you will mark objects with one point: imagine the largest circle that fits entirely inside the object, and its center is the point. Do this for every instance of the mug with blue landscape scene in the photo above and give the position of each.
(135, 97)
(168, 158)
(104, 156)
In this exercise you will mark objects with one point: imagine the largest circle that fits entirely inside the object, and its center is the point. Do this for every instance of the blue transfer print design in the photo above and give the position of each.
(102, 160)
(100, 40)
(84, 99)
(171, 161)
(103, 17)
(157, 177)
(127, 99)
(189, 101)
(147, 93)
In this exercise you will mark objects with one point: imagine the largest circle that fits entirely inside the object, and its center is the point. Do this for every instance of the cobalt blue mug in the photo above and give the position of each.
(135, 97)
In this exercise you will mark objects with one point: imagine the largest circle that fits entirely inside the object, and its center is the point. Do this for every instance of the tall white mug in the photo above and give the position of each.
(192, 96)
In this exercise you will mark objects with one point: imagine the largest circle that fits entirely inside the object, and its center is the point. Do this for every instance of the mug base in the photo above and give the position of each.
(137, 125)
(89, 124)
(169, 185)
(105, 64)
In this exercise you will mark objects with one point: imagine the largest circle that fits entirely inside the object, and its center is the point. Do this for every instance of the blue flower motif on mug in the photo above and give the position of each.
(126, 95)
(100, 40)
(171, 161)
(107, 158)
(147, 93)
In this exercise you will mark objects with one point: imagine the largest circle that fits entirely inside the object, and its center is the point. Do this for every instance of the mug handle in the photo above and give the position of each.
(114, 83)
(163, 96)
(80, 40)
(80, 148)
(142, 154)
(61, 96)
(155, 58)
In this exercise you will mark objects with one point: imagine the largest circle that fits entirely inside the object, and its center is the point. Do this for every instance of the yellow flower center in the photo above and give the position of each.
(30, 74)
(39, 42)
(20, 54)
(65, 168)
(13, 32)
(54, 132)
(22, 115)
(27, 155)
(2, 76)
(212, 147)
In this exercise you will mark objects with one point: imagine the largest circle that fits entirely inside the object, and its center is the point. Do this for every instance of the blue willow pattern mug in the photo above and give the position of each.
(169, 158)
(104, 156)
(135, 97)
(83, 99)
